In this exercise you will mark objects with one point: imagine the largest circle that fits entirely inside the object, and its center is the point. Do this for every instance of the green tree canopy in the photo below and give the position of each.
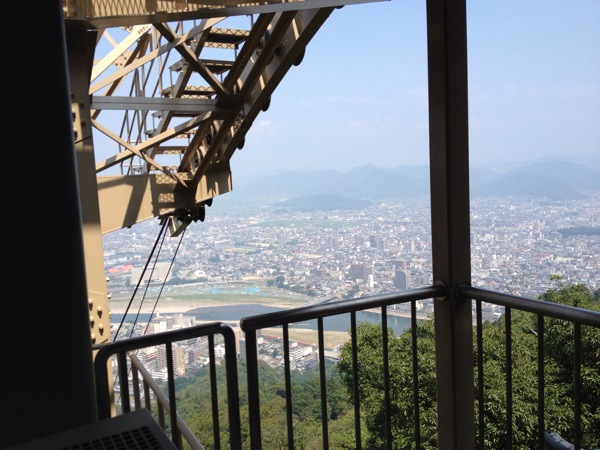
(558, 398)
(195, 405)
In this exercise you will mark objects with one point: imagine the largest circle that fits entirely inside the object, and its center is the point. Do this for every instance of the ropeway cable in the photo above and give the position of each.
(140, 280)
(163, 285)
(162, 232)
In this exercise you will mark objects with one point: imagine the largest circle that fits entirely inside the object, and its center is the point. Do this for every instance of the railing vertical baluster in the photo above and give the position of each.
(509, 400)
(541, 381)
(161, 416)
(175, 435)
(386, 378)
(415, 371)
(123, 382)
(135, 381)
(577, 385)
(323, 385)
(288, 387)
(481, 415)
(355, 391)
(253, 393)
(147, 395)
(168, 402)
(214, 392)
(233, 395)
(250, 326)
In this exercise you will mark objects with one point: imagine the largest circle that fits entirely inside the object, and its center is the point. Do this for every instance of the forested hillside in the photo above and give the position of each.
(194, 398)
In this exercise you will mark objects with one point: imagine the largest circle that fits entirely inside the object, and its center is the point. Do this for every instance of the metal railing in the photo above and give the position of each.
(251, 325)
(542, 309)
(124, 351)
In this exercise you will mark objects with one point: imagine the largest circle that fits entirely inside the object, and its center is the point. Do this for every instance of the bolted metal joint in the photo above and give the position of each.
(444, 290)
(458, 290)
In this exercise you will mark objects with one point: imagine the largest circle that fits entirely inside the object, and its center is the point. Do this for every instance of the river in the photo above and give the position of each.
(238, 312)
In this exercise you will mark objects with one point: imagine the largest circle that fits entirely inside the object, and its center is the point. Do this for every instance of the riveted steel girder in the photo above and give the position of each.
(163, 94)
(187, 76)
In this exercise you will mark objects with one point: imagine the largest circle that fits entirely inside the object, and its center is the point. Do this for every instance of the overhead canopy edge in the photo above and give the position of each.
(100, 14)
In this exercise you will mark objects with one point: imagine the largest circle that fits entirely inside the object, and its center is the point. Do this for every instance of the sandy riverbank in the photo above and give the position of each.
(168, 306)
(305, 336)
(175, 306)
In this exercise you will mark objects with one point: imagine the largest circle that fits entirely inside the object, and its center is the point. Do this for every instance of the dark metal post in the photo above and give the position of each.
(450, 218)
(253, 389)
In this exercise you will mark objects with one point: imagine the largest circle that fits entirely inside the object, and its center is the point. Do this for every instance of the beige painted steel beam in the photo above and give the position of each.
(166, 97)
(177, 105)
(289, 53)
(80, 47)
(147, 58)
(450, 219)
(100, 14)
(127, 200)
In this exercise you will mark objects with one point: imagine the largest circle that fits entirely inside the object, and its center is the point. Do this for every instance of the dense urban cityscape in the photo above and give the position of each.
(517, 245)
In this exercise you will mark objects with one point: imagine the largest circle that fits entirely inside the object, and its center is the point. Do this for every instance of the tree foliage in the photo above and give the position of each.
(558, 389)
(560, 338)
(194, 401)
(194, 405)
(403, 391)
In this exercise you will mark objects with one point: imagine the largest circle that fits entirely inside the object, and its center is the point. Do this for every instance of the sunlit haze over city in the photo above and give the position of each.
(360, 95)
(357, 104)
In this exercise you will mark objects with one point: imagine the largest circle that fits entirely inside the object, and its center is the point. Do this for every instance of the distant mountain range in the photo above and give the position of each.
(550, 179)
(321, 202)
(368, 182)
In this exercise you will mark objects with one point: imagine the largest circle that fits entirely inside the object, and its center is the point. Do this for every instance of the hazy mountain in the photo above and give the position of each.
(322, 202)
(575, 175)
(362, 182)
(507, 166)
(531, 184)
(557, 180)
(553, 179)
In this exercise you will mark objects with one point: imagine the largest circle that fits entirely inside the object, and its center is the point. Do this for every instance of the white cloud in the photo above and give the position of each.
(263, 128)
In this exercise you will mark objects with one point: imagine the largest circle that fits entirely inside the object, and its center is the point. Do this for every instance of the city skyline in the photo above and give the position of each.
(517, 244)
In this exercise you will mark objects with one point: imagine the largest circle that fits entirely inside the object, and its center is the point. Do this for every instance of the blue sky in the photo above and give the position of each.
(360, 95)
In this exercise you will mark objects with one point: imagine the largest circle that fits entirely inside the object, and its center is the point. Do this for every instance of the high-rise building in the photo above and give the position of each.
(178, 359)
(239, 335)
(296, 352)
(360, 272)
(401, 280)
(400, 264)
(379, 242)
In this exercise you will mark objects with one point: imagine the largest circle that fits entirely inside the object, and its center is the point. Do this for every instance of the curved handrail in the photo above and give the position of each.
(556, 310)
(123, 348)
(330, 309)
(163, 400)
